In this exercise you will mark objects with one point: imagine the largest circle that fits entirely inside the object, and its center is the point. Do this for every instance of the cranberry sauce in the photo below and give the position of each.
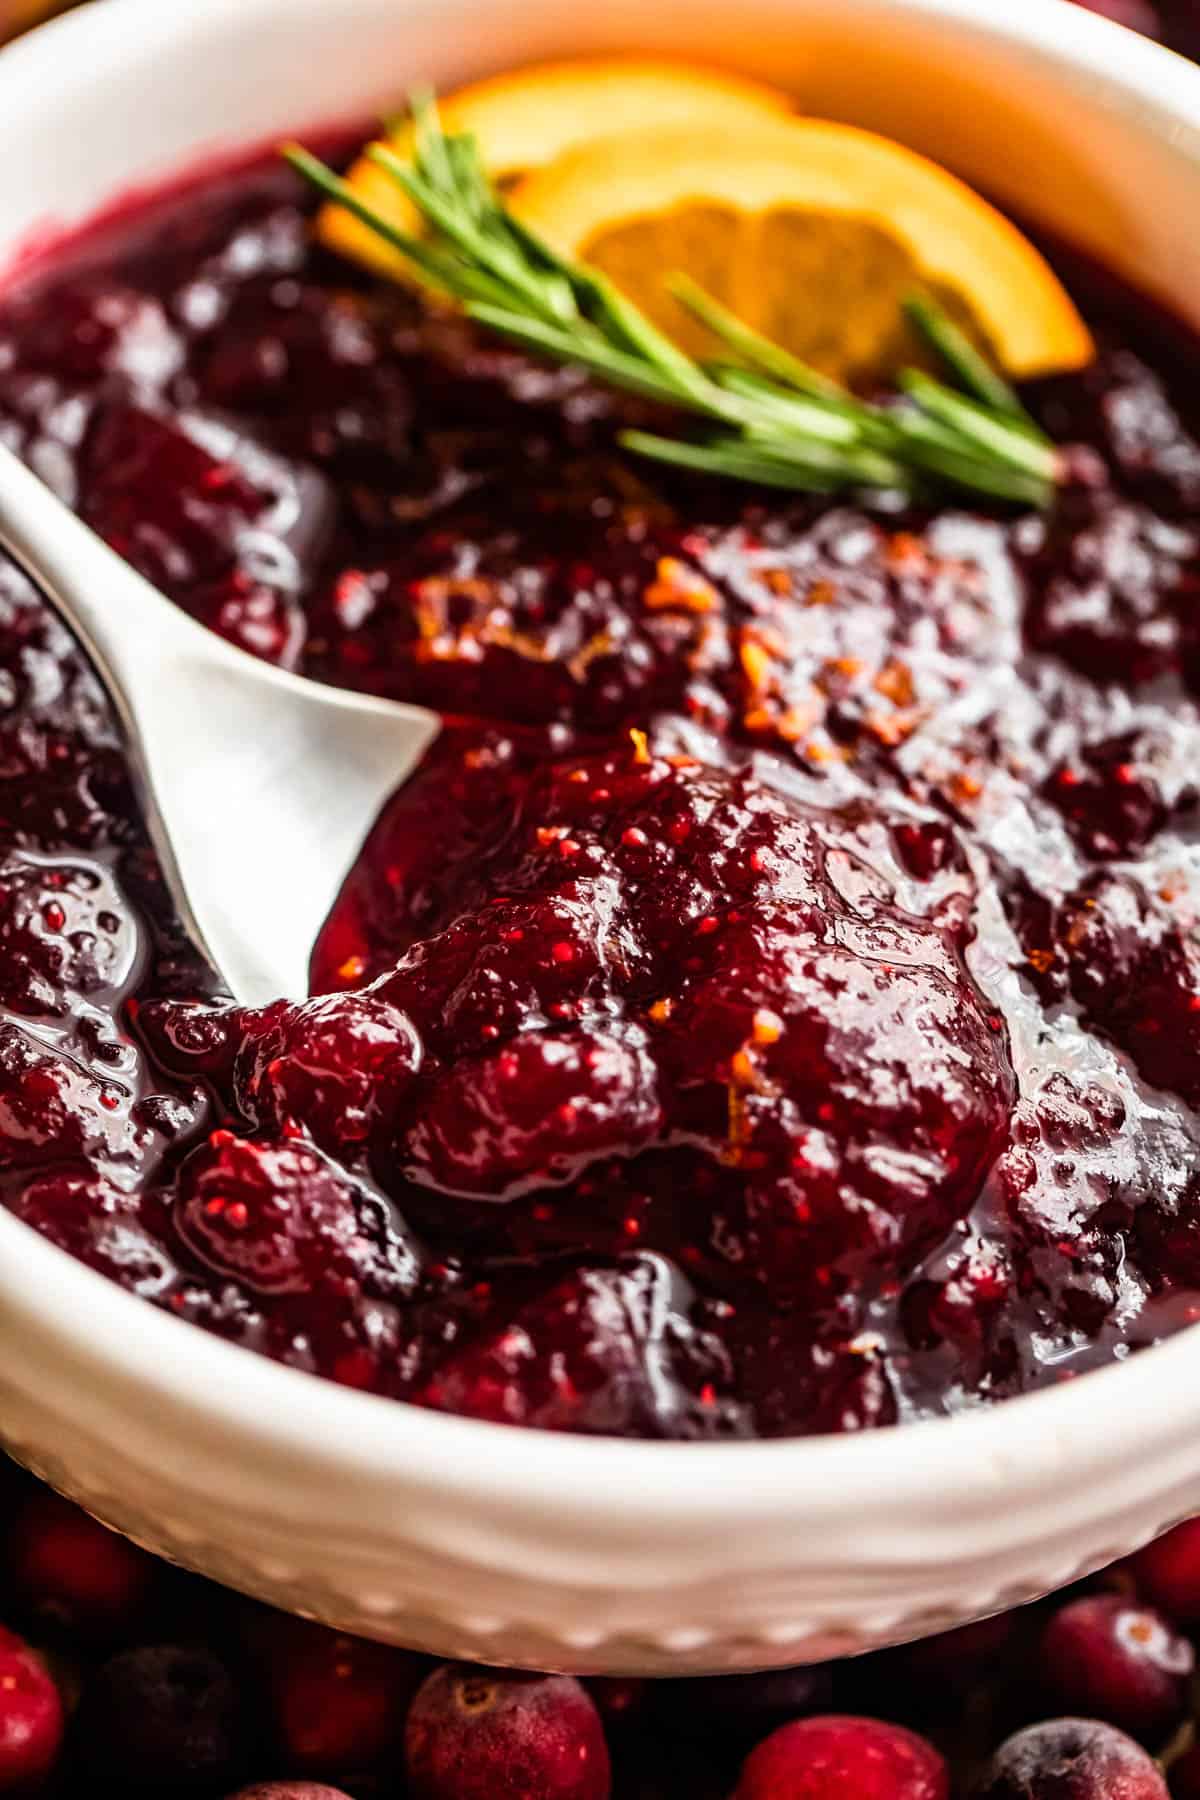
(774, 1006)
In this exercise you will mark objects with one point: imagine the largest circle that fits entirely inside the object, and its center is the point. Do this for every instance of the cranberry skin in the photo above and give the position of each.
(338, 1702)
(31, 1717)
(1167, 1572)
(744, 1707)
(960, 1657)
(1108, 1658)
(485, 1734)
(73, 1575)
(1072, 1759)
(837, 1757)
(335, 1065)
(289, 1790)
(282, 1219)
(165, 1718)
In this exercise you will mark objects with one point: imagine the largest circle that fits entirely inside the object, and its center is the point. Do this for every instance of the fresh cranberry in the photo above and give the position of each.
(474, 1734)
(958, 1658)
(289, 1790)
(1167, 1572)
(72, 1574)
(841, 1758)
(31, 1717)
(743, 1708)
(161, 1719)
(1107, 1657)
(1072, 1759)
(928, 1683)
(337, 1703)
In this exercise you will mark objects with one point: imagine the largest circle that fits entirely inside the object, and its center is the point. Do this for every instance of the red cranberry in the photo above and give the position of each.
(162, 1719)
(72, 1574)
(960, 1657)
(31, 1717)
(1072, 1759)
(744, 1707)
(842, 1758)
(289, 1790)
(1108, 1658)
(474, 1734)
(338, 1702)
(1167, 1572)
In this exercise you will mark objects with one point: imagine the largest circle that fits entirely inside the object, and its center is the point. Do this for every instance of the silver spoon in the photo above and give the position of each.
(259, 786)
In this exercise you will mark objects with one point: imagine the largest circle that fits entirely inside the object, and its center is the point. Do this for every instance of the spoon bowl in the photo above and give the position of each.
(259, 787)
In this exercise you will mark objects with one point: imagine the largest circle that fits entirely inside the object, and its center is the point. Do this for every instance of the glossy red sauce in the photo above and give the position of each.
(773, 1007)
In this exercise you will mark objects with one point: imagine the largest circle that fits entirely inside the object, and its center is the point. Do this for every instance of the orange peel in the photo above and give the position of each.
(811, 231)
(527, 117)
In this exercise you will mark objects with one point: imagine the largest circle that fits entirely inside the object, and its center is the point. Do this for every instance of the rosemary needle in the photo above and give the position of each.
(764, 415)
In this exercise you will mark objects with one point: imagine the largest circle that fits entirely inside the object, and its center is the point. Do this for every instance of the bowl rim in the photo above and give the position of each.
(1015, 1446)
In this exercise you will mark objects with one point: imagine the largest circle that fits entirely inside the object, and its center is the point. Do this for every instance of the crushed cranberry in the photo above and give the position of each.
(771, 1007)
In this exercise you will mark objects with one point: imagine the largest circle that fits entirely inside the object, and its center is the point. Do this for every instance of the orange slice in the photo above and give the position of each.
(526, 118)
(810, 231)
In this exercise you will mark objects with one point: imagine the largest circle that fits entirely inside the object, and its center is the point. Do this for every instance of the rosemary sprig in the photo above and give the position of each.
(766, 416)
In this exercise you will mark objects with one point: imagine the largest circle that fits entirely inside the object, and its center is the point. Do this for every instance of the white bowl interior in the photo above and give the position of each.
(1073, 153)
(475, 1539)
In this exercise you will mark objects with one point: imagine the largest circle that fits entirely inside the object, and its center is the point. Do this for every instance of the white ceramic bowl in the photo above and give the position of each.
(475, 1539)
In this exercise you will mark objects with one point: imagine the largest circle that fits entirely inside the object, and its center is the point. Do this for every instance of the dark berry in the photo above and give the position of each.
(486, 1734)
(1167, 1572)
(1108, 1658)
(31, 1717)
(338, 1703)
(743, 1708)
(163, 1719)
(959, 1658)
(842, 1758)
(1072, 1759)
(71, 1574)
(620, 1700)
